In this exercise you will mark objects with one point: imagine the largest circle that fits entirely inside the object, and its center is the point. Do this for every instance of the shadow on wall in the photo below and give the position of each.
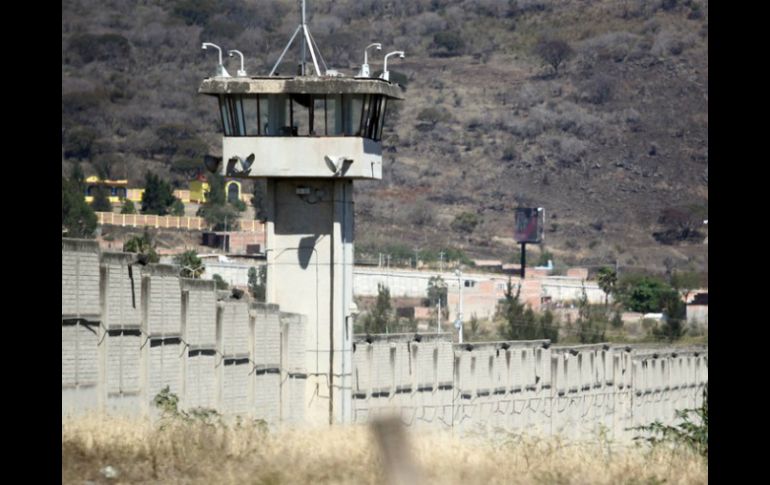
(306, 249)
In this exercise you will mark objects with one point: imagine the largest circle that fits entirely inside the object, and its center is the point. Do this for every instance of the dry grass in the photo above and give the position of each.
(199, 453)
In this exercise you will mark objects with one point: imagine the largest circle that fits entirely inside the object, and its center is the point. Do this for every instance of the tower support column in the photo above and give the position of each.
(309, 236)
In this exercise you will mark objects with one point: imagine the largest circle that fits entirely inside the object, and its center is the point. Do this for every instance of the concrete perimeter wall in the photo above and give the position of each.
(129, 331)
(524, 386)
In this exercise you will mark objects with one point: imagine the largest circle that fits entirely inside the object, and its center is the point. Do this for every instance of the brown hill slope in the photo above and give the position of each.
(615, 138)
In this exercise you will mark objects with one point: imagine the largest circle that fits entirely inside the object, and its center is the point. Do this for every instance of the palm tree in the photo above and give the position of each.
(608, 278)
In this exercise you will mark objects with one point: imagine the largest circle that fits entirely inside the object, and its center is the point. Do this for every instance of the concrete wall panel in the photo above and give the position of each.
(80, 279)
(236, 388)
(123, 363)
(164, 367)
(79, 354)
(199, 313)
(235, 322)
(161, 300)
(201, 389)
(121, 288)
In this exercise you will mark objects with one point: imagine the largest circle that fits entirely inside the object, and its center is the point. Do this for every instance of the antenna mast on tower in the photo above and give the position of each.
(307, 43)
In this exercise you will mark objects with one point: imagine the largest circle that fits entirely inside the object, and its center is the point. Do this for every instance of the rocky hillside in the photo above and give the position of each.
(613, 141)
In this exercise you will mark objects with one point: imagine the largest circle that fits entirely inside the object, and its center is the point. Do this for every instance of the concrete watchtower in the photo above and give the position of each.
(309, 136)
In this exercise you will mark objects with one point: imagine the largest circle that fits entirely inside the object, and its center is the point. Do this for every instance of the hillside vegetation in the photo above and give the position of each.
(612, 138)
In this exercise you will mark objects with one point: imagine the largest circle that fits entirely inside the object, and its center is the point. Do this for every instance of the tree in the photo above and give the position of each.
(641, 293)
(77, 217)
(512, 311)
(544, 257)
(549, 328)
(528, 324)
(447, 43)
(105, 165)
(258, 200)
(672, 327)
(607, 279)
(465, 222)
(239, 205)
(421, 214)
(591, 325)
(219, 283)
(101, 202)
(437, 292)
(100, 47)
(128, 207)
(144, 245)
(177, 208)
(433, 115)
(78, 177)
(684, 282)
(158, 196)
(474, 326)
(617, 320)
(681, 224)
(195, 12)
(217, 212)
(380, 316)
(258, 282)
(219, 217)
(553, 52)
(79, 143)
(191, 266)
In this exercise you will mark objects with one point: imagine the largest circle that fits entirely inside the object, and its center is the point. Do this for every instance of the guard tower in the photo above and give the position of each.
(310, 136)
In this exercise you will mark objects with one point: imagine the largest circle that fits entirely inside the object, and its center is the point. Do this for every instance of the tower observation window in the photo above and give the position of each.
(359, 115)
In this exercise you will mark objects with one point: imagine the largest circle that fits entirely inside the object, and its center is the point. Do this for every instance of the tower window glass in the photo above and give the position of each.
(360, 115)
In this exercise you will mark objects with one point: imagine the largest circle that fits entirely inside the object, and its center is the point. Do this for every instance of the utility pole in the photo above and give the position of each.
(441, 260)
(224, 236)
(459, 319)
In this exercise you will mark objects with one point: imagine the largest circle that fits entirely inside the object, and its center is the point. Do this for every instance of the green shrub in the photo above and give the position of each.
(177, 208)
(644, 294)
(77, 217)
(191, 266)
(465, 222)
(101, 202)
(239, 205)
(448, 43)
(79, 143)
(220, 283)
(80, 101)
(100, 47)
(692, 431)
(195, 12)
(128, 207)
(545, 256)
(509, 152)
(617, 321)
(143, 245)
(434, 115)
(158, 196)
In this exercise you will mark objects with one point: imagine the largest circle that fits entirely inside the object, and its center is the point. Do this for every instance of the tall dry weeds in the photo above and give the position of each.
(196, 452)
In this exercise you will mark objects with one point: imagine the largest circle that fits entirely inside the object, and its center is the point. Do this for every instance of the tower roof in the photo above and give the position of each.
(300, 85)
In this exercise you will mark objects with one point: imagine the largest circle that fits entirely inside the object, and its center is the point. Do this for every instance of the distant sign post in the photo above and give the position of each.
(528, 228)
